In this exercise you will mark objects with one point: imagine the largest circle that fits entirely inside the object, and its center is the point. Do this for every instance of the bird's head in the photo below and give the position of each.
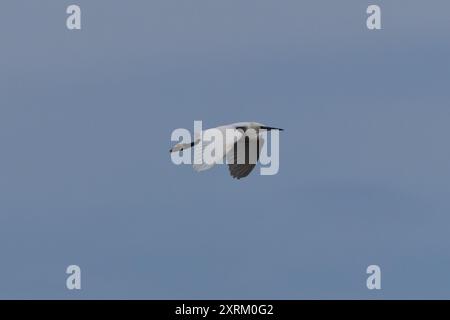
(255, 126)
(258, 126)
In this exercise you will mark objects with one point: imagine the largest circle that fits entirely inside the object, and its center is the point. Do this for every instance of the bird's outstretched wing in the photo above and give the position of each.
(241, 170)
(199, 151)
(198, 154)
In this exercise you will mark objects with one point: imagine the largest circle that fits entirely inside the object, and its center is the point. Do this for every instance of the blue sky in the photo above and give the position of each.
(86, 178)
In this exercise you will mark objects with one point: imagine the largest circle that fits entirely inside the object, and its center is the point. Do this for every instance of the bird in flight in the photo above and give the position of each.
(237, 153)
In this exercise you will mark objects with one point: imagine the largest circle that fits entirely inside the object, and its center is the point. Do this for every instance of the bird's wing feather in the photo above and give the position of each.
(198, 154)
(241, 170)
(199, 151)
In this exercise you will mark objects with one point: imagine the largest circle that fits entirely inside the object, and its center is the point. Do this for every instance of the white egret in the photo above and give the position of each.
(237, 153)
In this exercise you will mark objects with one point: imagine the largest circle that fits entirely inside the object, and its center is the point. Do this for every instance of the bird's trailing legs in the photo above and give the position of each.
(183, 146)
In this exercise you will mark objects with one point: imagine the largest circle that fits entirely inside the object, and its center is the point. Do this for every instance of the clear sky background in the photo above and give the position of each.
(86, 177)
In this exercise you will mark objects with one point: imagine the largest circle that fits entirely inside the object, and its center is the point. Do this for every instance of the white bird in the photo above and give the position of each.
(240, 160)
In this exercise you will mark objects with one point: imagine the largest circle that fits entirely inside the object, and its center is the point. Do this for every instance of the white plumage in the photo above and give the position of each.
(241, 154)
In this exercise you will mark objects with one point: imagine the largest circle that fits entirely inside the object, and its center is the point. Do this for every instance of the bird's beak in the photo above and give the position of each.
(271, 128)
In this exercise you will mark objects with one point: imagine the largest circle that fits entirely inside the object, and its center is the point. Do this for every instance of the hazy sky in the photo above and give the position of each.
(86, 177)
